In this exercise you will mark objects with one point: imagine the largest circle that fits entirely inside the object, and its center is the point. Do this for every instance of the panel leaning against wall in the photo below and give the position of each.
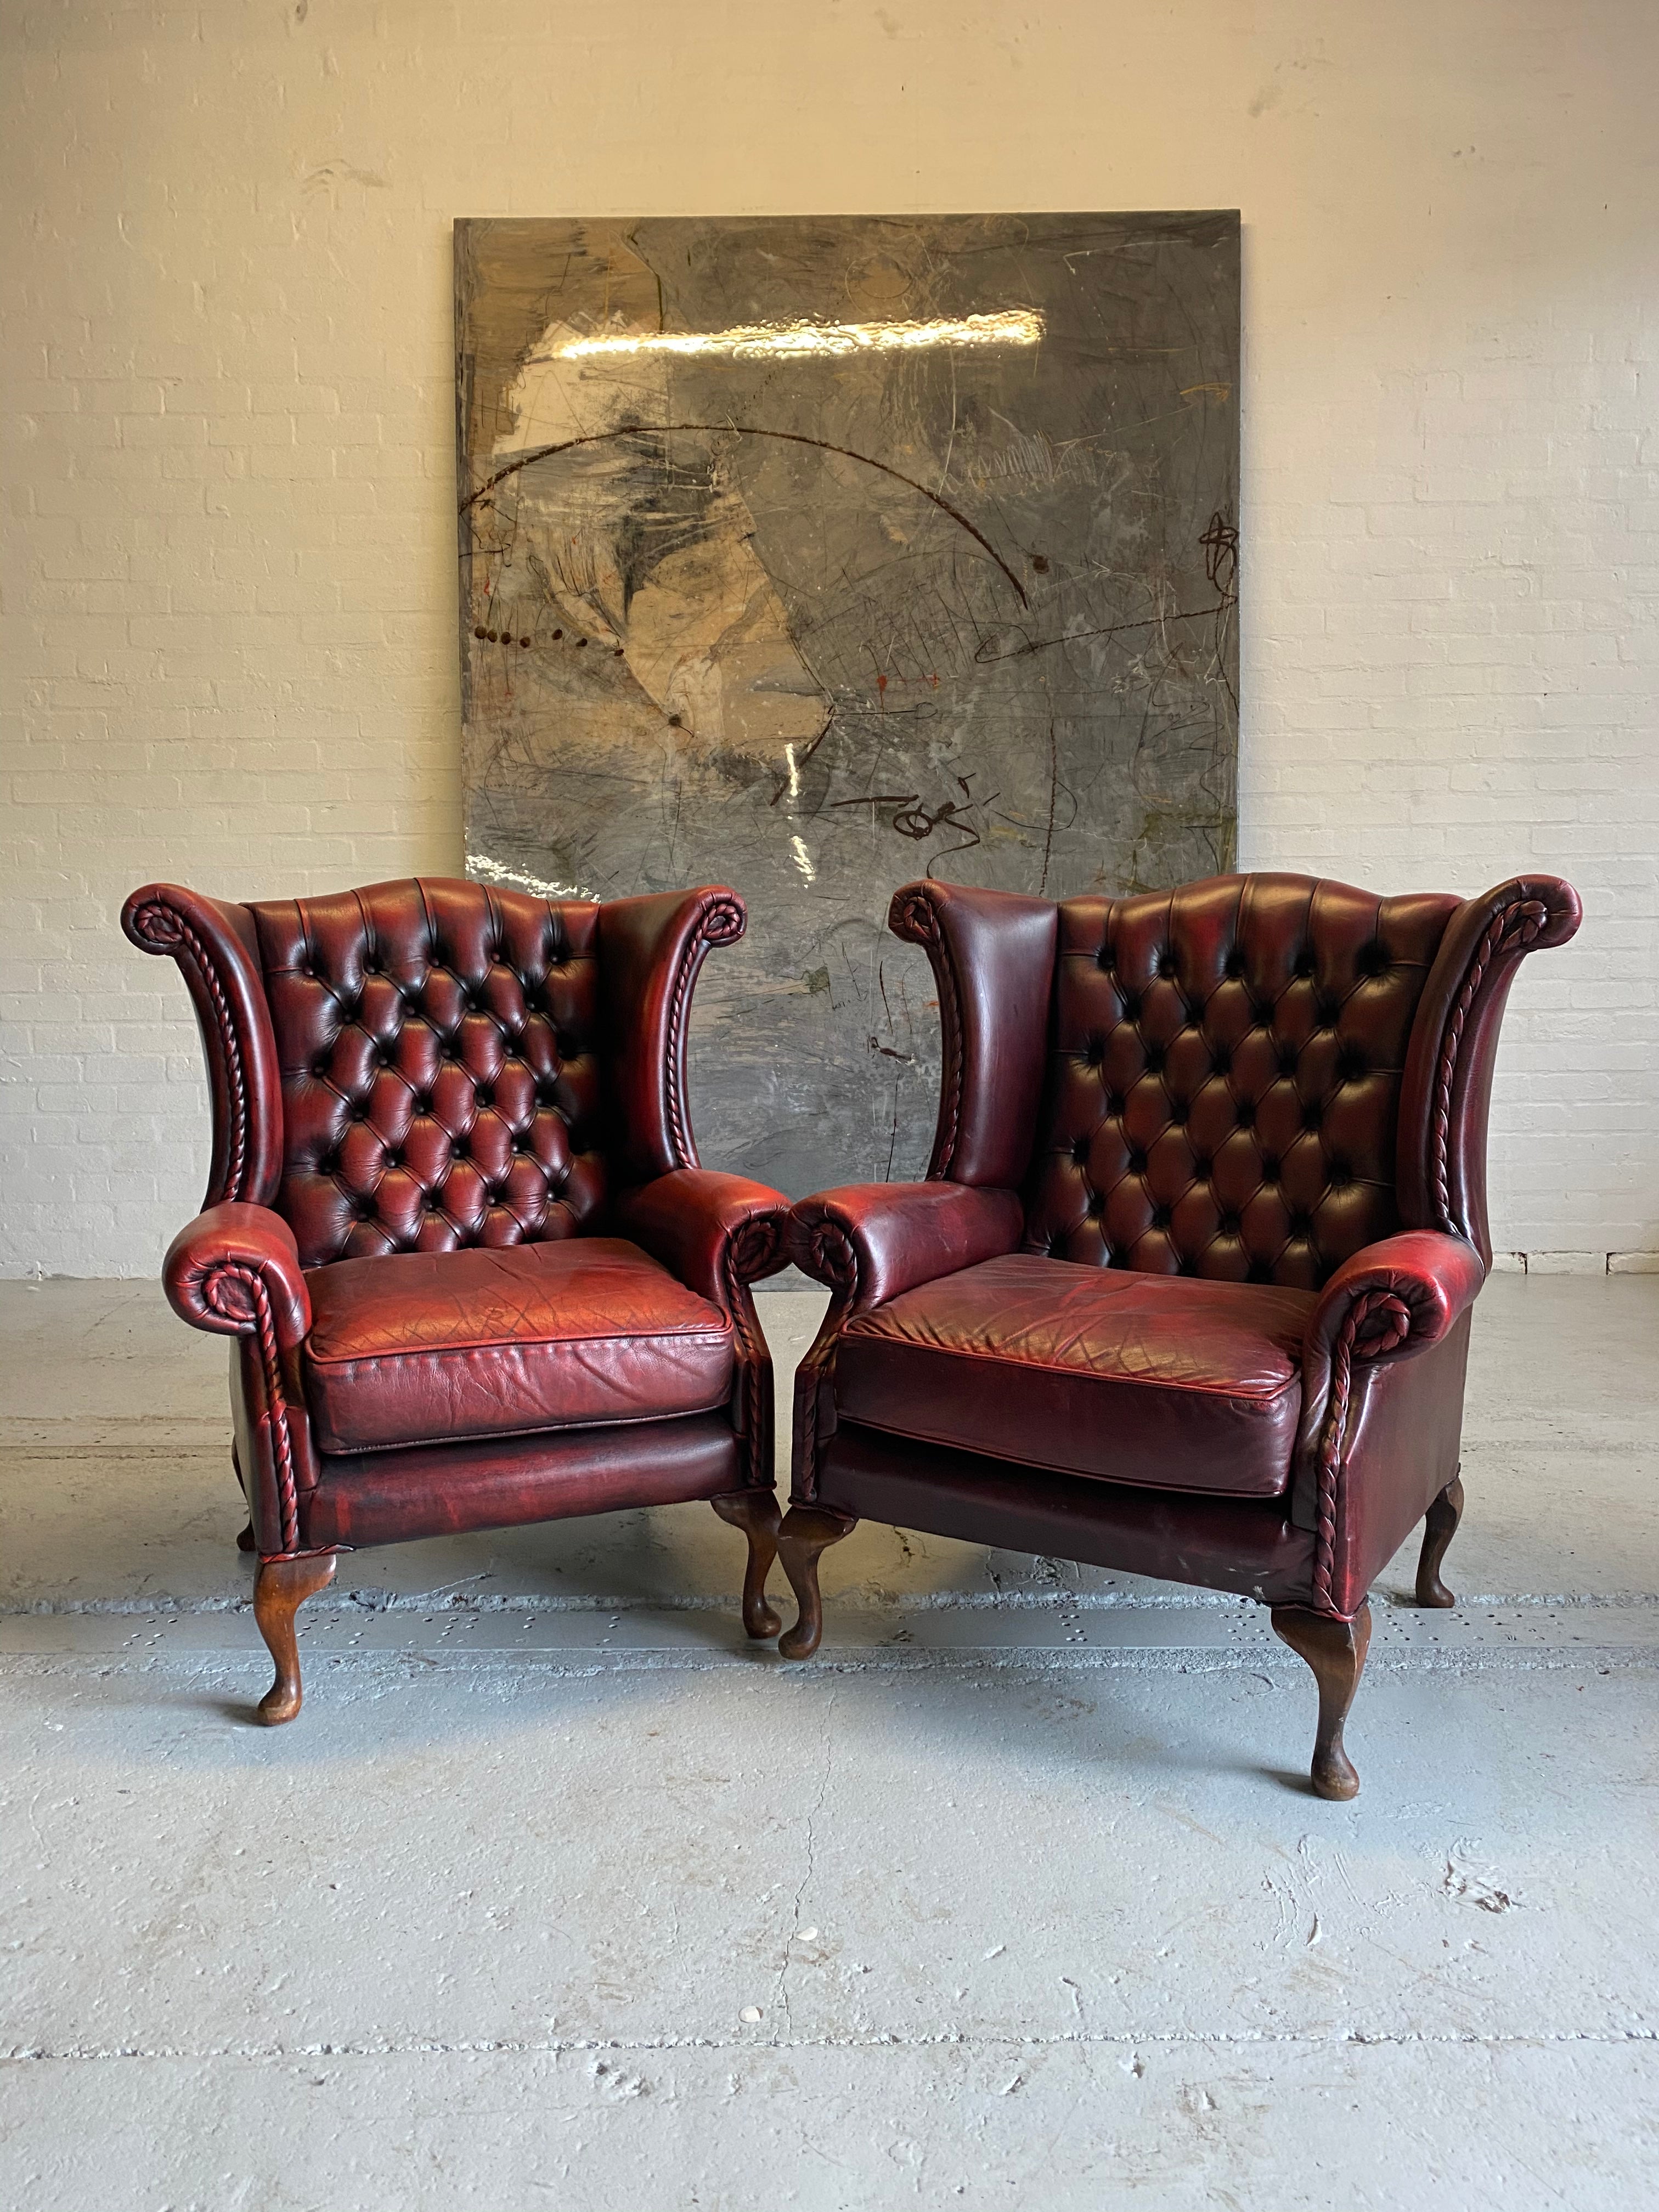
(816, 554)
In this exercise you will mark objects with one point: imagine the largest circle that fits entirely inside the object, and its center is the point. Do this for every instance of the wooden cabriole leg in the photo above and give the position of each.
(755, 1512)
(282, 1588)
(806, 1531)
(1335, 1650)
(1440, 1526)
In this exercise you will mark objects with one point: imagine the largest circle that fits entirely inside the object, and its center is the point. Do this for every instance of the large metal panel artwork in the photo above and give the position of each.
(812, 554)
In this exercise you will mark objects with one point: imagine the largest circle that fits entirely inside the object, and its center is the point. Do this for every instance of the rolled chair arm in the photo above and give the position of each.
(235, 1270)
(720, 1233)
(714, 1231)
(869, 1241)
(1389, 1302)
(229, 1263)
(1392, 1298)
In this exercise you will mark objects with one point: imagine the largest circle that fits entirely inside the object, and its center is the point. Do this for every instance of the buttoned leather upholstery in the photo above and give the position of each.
(1194, 1300)
(1224, 1076)
(1124, 1377)
(437, 1046)
(431, 1347)
(455, 1218)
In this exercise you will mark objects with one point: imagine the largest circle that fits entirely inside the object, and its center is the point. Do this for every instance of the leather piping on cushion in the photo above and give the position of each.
(1241, 1545)
(427, 1348)
(502, 1482)
(1172, 1384)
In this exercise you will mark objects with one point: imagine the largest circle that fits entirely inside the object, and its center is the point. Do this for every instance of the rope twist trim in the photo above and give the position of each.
(1378, 1322)
(163, 929)
(721, 922)
(915, 917)
(237, 1292)
(1511, 929)
(751, 1253)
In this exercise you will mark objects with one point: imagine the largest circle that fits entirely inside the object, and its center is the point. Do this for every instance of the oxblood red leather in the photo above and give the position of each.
(873, 1240)
(1224, 1543)
(993, 957)
(433, 1348)
(435, 1106)
(498, 1482)
(1258, 1088)
(1088, 1370)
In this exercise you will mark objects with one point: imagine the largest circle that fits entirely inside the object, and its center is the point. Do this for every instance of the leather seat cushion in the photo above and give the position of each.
(1168, 1381)
(424, 1347)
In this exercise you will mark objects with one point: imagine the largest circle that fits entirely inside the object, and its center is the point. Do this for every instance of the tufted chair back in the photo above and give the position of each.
(419, 1065)
(438, 1049)
(1225, 1069)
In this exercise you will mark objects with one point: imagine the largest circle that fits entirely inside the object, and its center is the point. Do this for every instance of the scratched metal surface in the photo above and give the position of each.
(815, 626)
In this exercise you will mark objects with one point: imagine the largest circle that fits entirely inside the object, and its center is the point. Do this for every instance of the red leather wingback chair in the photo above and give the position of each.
(1186, 1290)
(455, 1224)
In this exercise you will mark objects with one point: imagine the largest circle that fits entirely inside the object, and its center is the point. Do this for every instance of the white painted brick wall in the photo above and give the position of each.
(228, 576)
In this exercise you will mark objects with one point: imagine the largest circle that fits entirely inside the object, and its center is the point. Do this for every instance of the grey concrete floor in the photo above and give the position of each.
(559, 1893)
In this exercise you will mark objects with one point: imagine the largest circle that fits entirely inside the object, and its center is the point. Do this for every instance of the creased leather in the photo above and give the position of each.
(433, 1070)
(1218, 1543)
(1127, 1378)
(428, 1346)
(500, 1482)
(1264, 1079)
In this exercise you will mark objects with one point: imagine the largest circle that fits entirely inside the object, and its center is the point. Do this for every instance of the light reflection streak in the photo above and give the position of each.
(800, 341)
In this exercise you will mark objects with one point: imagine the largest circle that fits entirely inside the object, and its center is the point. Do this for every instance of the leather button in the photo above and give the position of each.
(1160, 1217)
(1166, 966)
(1269, 1169)
(1137, 1163)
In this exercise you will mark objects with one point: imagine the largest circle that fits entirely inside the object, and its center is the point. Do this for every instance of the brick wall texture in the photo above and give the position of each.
(229, 648)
